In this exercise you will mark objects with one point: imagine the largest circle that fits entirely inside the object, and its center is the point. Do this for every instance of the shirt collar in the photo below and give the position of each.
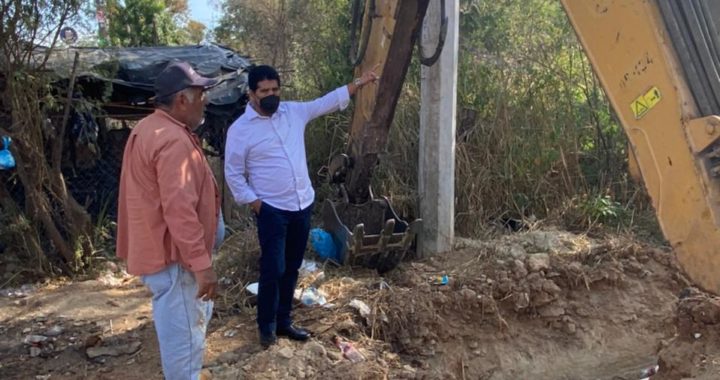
(163, 114)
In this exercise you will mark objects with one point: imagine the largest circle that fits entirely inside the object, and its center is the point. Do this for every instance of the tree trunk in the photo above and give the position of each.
(399, 22)
(48, 204)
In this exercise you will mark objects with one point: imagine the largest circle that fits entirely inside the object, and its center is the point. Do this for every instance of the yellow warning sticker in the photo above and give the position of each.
(645, 102)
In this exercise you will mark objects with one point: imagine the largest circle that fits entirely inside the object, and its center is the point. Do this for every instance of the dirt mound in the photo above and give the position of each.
(542, 304)
(695, 351)
(539, 304)
(575, 308)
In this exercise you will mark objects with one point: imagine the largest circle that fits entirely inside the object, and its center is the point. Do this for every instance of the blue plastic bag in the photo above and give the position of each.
(323, 244)
(7, 161)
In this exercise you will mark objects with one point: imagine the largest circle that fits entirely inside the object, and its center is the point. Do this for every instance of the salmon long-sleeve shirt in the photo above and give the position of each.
(169, 201)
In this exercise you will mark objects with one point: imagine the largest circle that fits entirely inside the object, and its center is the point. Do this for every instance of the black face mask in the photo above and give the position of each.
(270, 103)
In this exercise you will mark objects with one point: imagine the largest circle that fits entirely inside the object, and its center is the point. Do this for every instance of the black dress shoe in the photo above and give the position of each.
(294, 333)
(267, 340)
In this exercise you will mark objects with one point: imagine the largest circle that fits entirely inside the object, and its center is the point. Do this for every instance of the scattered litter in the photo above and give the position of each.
(35, 339)
(230, 333)
(647, 372)
(310, 296)
(308, 267)
(361, 306)
(697, 335)
(348, 350)
(20, 292)
(7, 161)
(314, 278)
(441, 280)
(35, 351)
(252, 288)
(37, 343)
(55, 330)
(323, 244)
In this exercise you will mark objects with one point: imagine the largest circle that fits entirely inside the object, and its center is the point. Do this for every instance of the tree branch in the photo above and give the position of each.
(60, 137)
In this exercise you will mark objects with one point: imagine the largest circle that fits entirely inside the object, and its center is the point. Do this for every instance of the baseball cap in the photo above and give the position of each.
(178, 76)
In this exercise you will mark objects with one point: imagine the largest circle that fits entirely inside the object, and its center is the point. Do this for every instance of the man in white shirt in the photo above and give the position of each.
(266, 166)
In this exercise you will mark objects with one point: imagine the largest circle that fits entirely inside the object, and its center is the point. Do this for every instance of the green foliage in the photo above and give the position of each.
(533, 121)
(535, 131)
(311, 56)
(50, 228)
(151, 23)
(601, 208)
(196, 31)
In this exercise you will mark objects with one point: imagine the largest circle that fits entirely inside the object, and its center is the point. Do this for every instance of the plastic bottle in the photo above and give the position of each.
(349, 352)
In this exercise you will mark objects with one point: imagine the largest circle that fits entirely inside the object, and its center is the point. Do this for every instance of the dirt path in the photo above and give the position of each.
(540, 305)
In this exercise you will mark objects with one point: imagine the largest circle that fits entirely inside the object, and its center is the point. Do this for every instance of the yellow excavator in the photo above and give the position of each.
(659, 63)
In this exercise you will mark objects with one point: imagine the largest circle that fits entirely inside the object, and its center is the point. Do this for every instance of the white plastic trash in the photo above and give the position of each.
(252, 288)
(361, 307)
(311, 296)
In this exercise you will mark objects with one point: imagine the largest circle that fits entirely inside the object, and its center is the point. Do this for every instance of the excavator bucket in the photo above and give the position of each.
(369, 234)
(366, 230)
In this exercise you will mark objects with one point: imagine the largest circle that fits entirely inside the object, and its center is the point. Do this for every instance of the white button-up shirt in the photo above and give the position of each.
(265, 156)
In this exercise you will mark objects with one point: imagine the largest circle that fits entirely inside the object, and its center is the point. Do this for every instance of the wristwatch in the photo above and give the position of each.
(357, 82)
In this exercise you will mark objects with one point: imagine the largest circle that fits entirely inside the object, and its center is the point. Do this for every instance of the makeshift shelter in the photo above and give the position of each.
(118, 82)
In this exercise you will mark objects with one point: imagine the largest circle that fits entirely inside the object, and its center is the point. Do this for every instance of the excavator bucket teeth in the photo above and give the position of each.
(369, 234)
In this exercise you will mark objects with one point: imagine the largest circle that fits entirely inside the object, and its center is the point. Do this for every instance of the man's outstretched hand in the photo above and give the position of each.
(369, 76)
(207, 284)
(365, 78)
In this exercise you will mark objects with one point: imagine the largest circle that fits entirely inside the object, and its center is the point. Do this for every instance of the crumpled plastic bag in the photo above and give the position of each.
(323, 244)
(7, 161)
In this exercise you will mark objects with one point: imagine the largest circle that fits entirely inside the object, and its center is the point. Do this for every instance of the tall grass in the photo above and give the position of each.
(535, 132)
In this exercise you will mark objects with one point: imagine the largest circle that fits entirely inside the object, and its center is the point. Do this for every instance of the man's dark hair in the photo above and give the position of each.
(260, 73)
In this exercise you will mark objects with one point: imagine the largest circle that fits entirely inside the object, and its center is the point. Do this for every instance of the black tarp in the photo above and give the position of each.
(120, 81)
(132, 72)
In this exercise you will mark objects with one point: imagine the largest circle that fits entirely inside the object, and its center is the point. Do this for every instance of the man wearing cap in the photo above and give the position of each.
(169, 207)
(266, 167)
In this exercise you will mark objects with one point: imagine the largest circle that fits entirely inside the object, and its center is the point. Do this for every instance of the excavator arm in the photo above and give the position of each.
(658, 61)
(365, 228)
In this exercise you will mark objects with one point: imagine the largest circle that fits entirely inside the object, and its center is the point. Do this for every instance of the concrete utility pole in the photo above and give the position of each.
(436, 180)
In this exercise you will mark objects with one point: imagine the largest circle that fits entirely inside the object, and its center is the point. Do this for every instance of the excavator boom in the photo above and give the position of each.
(658, 63)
